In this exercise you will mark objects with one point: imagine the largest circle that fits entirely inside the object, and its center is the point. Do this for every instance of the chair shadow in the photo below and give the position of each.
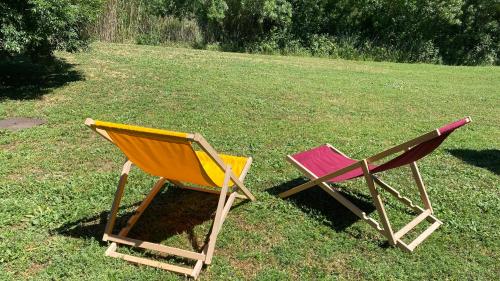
(22, 79)
(173, 211)
(315, 200)
(487, 159)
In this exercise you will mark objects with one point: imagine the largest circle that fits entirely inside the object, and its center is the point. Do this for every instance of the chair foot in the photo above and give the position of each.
(111, 251)
(417, 241)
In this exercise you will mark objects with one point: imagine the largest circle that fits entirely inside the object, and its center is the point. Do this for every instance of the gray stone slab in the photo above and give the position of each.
(19, 123)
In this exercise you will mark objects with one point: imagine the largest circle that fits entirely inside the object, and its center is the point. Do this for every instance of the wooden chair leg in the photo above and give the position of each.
(118, 196)
(377, 200)
(218, 217)
(421, 186)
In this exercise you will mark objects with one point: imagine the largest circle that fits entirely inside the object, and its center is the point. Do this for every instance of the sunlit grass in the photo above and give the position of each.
(57, 181)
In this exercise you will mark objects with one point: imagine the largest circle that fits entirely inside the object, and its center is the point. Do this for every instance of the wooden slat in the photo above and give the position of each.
(418, 219)
(404, 146)
(200, 189)
(176, 183)
(379, 204)
(226, 209)
(218, 215)
(402, 245)
(197, 269)
(395, 193)
(245, 170)
(424, 235)
(162, 265)
(156, 247)
(118, 197)
(239, 196)
(199, 264)
(110, 249)
(421, 187)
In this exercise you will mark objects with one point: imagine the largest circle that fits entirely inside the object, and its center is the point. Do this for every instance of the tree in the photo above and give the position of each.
(38, 27)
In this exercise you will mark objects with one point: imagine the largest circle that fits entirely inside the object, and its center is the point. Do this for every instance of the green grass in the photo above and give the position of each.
(57, 181)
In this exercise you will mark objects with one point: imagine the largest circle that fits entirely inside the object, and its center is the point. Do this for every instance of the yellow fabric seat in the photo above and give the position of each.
(170, 154)
(214, 172)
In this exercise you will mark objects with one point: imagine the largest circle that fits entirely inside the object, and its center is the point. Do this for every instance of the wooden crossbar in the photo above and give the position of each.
(397, 194)
(424, 235)
(418, 219)
(417, 241)
(402, 147)
(144, 261)
(424, 214)
(155, 247)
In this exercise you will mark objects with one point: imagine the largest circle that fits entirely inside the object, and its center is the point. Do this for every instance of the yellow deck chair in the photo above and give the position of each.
(171, 156)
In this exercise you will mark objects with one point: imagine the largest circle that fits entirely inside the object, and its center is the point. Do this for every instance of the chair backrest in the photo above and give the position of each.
(159, 152)
(419, 150)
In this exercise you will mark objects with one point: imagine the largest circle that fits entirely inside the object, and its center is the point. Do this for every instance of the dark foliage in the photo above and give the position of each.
(447, 31)
(38, 27)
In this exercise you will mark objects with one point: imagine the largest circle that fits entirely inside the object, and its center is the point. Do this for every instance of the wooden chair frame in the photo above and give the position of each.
(227, 195)
(395, 238)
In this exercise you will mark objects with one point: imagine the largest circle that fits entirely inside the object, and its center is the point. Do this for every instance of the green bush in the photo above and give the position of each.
(322, 46)
(445, 31)
(38, 27)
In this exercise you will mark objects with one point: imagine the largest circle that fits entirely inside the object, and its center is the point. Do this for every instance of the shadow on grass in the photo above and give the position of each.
(172, 212)
(21, 79)
(488, 159)
(316, 201)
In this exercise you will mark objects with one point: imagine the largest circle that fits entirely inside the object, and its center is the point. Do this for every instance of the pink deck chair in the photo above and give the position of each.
(326, 164)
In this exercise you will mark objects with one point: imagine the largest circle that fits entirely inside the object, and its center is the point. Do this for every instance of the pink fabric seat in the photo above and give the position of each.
(323, 160)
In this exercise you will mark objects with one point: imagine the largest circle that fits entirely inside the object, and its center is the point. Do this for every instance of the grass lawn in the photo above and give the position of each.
(57, 181)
